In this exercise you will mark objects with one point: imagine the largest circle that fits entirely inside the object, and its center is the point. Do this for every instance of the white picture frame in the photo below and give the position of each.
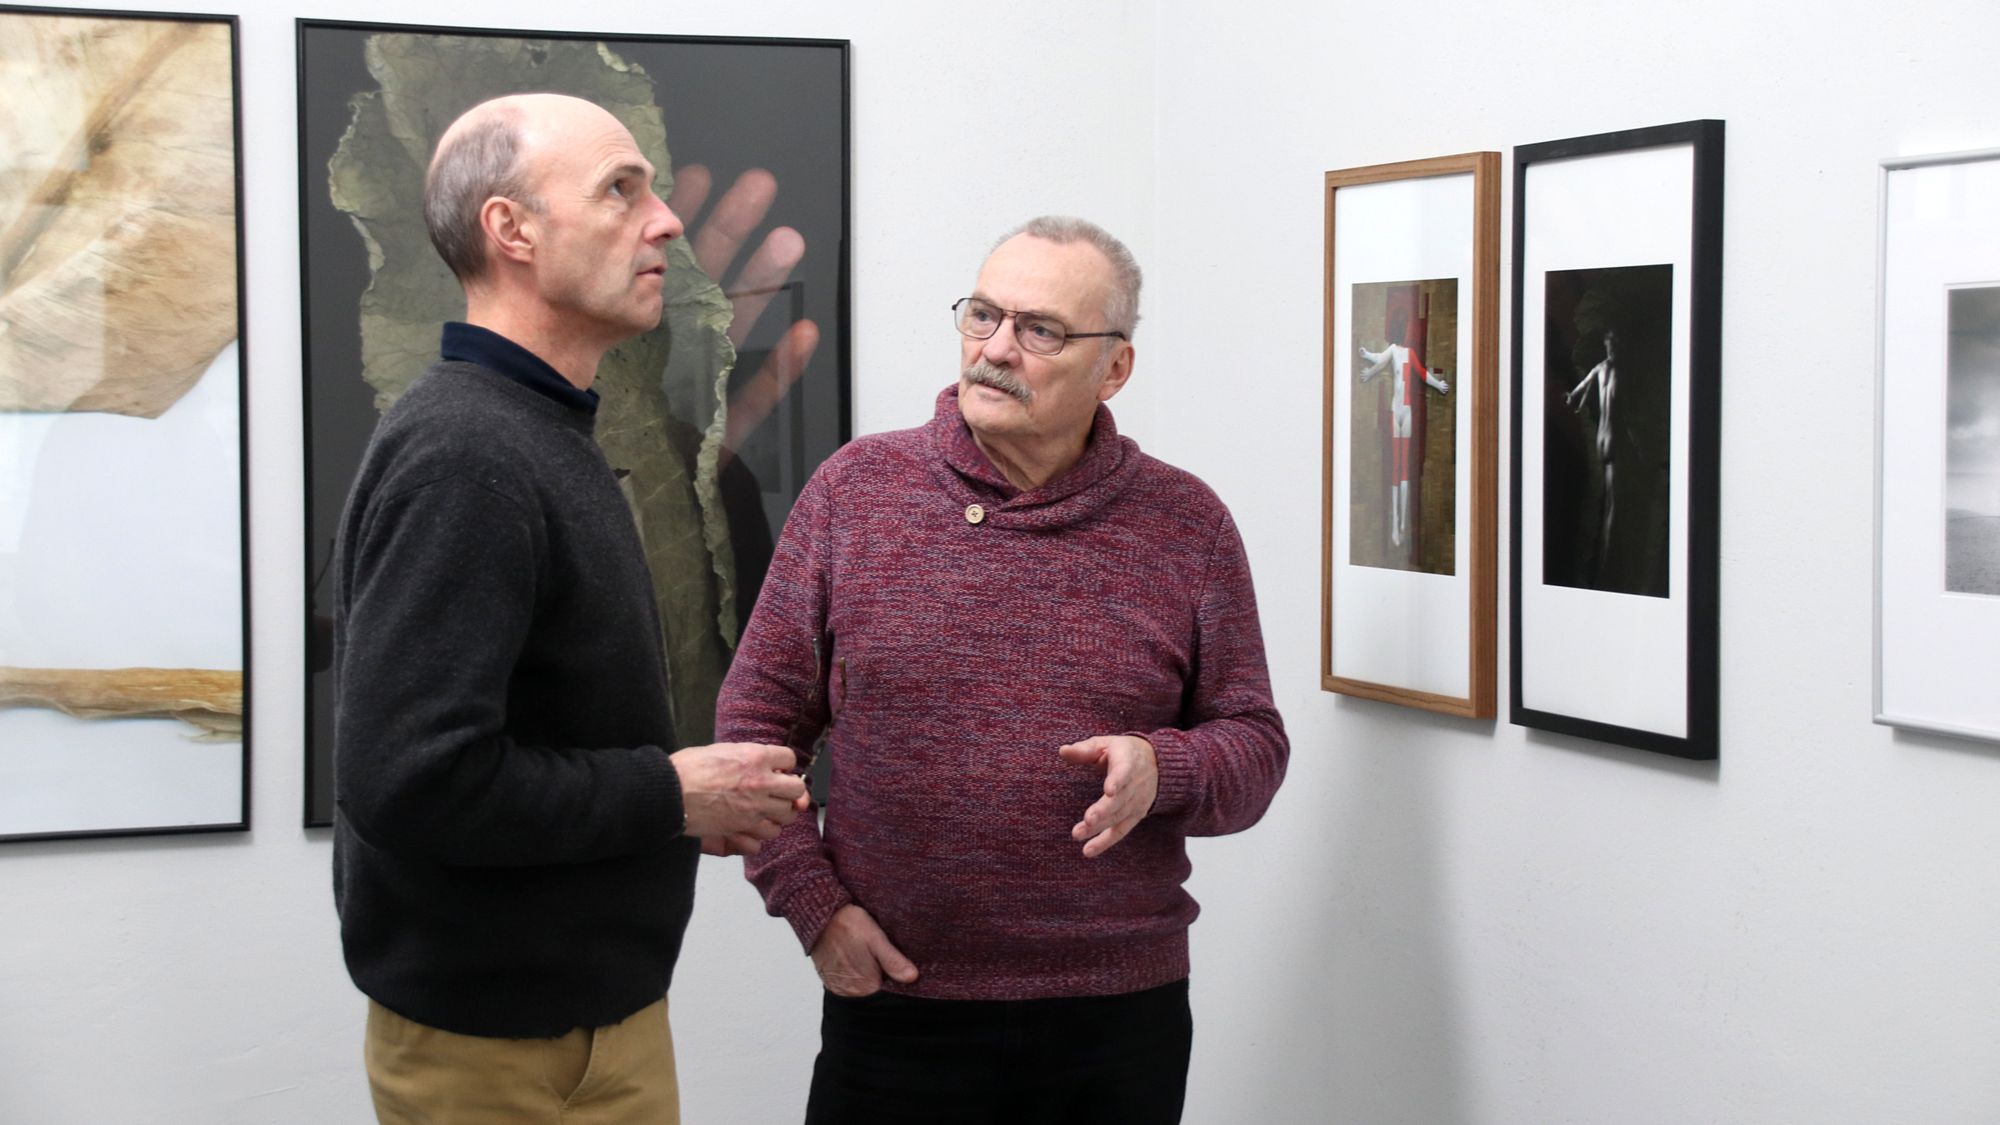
(1937, 483)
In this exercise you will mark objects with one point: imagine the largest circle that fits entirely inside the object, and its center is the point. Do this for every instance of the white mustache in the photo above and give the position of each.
(1000, 379)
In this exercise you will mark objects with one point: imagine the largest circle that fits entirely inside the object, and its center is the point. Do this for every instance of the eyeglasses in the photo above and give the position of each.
(1043, 335)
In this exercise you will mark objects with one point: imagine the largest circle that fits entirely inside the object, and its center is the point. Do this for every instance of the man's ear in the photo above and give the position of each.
(1116, 374)
(510, 227)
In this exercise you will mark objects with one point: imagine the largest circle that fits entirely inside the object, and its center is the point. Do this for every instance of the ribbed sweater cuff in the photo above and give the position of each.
(1177, 773)
(812, 906)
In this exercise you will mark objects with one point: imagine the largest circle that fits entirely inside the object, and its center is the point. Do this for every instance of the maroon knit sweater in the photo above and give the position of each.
(948, 656)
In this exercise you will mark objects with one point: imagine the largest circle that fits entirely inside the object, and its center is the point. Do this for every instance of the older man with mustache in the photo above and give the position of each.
(1035, 656)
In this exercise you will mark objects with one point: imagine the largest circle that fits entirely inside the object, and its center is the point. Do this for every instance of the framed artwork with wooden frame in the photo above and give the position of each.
(1937, 461)
(1617, 343)
(124, 578)
(1408, 517)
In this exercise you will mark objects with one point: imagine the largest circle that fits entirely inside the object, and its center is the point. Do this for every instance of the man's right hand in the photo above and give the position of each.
(853, 955)
(739, 792)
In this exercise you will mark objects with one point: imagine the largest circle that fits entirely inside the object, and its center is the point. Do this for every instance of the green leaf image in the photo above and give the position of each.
(662, 415)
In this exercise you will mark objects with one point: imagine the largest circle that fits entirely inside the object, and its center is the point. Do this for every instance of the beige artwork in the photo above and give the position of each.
(117, 212)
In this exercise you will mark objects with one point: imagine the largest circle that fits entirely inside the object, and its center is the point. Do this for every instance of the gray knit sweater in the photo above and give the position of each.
(507, 849)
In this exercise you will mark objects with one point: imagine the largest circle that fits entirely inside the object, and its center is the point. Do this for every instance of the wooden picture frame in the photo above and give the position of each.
(1410, 409)
(1937, 462)
(124, 563)
(710, 489)
(1618, 300)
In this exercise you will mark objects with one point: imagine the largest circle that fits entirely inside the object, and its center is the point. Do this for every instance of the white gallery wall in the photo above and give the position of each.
(1454, 921)
(1440, 920)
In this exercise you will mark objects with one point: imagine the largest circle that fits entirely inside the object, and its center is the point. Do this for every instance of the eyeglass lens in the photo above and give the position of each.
(1040, 334)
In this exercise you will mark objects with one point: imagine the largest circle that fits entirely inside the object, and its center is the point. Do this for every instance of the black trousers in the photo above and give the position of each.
(891, 1060)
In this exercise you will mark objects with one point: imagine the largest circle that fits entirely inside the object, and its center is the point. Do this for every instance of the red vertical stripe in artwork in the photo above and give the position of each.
(1399, 313)
(1419, 336)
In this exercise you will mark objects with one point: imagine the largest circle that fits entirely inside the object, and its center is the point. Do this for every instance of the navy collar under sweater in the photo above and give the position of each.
(969, 476)
(469, 343)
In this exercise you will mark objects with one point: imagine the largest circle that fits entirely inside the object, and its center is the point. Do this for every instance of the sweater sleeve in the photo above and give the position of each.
(776, 693)
(436, 618)
(1221, 765)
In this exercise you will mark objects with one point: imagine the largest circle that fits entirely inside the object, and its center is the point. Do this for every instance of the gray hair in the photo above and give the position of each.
(473, 164)
(1121, 304)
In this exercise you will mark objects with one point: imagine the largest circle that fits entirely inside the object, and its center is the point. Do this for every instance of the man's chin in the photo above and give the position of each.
(648, 319)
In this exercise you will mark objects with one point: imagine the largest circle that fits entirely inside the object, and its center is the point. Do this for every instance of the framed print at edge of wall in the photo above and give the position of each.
(124, 576)
(1937, 445)
(1408, 515)
(716, 434)
(1616, 417)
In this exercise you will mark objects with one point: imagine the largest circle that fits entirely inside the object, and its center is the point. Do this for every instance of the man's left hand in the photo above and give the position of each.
(744, 843)
(1131, 781)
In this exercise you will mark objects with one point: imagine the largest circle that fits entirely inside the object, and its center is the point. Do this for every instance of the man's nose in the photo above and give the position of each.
(666, 225)
(1003, 347)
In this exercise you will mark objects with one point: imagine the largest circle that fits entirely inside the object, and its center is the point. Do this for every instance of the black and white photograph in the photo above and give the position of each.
(1937, 466)
(1607, 457)
(1617, 467)
(1972, 442)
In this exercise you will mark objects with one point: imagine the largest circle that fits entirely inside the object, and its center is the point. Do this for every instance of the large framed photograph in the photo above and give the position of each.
(124, 632)
(716, 418)
(1616, 423)
(1937, 494)
(1408, 521)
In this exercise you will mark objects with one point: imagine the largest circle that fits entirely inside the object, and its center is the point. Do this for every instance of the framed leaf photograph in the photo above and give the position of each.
(716, 418)
(1408, 516)
(1937, 503)
(1616, 422)
(124, 631)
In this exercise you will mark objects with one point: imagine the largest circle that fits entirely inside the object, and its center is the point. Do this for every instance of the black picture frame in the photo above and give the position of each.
(169, 778)
(730, 104)
(1614, 587)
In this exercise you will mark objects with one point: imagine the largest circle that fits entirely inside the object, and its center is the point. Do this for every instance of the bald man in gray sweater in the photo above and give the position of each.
(516, 830)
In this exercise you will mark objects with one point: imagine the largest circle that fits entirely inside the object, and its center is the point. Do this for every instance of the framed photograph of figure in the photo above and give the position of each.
(716, 418)
(1408, 525)
(1616, 422)
(124, 624)
(1937, 463)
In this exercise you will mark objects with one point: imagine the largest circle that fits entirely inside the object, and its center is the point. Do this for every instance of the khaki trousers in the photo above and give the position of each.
(617, 1075)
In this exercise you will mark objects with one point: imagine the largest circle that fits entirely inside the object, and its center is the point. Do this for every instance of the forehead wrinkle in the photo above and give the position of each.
(592, 150)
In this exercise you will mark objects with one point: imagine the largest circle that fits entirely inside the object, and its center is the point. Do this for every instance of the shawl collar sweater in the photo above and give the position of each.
(947, 632)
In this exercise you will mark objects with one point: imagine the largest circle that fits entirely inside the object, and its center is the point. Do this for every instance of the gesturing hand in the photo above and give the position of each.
(716, 246)
(738, 794)
(1131, 781)
(852, 955)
